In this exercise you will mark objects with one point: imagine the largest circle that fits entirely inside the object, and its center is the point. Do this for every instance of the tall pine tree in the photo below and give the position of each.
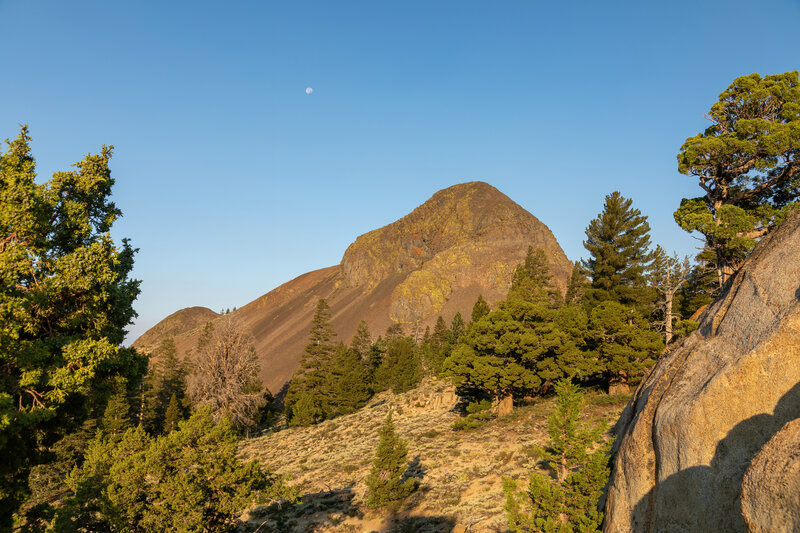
(308, 397)
(618, 242)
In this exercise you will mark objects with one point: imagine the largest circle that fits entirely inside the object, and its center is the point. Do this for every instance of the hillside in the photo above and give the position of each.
(460, 471)
(464, 241)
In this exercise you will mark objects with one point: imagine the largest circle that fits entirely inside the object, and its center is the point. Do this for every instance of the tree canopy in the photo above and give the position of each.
(747, 163)
(65, 301)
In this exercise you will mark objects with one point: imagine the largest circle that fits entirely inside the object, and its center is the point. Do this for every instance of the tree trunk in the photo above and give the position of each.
(505, 405)
(668, 317)
(618, 385)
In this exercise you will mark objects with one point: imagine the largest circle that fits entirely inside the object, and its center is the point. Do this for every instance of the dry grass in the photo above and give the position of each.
(460, 472)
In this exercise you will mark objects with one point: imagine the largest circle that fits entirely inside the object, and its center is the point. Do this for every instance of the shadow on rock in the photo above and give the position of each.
(707, 498)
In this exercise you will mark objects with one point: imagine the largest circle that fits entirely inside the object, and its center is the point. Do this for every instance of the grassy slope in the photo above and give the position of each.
(461, 472)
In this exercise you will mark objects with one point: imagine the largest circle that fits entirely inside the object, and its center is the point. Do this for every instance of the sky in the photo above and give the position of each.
(234, 179)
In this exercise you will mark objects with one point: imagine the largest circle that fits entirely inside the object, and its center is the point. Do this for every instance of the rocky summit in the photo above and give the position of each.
(707, 443)
(465, 241)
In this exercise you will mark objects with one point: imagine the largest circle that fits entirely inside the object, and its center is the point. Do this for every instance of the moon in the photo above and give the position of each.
(309, 90)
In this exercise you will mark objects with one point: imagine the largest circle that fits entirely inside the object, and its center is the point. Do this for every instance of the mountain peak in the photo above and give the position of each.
(472, 212)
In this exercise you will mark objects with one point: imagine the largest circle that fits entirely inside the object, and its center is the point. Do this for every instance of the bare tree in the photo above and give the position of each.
(225, 374)
(669, 273)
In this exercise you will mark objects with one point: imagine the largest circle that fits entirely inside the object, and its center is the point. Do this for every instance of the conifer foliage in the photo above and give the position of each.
(65, 301)
(308, 397)
(565, 499)
(618, 242)
(187, 480)
(385, 484)
(747, 162)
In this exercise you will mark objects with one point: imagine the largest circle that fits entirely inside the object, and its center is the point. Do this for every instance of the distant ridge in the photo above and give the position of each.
(464, 241)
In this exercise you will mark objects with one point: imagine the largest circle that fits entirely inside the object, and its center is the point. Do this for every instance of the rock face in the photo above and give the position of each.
(463, 242)
(713, 407)
(771, 486)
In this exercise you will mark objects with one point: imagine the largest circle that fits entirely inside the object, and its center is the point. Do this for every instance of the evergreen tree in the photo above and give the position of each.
(394, 331)
(480, 309)
(167, 377)
(401, 369)
(385, 484)
(618, 242)
(65, 301)
(577, 285)
(457, 329)
(622, 342)
(532, 281)
(311, 383)
(568, 499)
(350, 382)
(747, 163)
(188, 480)
(173, 415)
(116, 417)
(520, 348)
(701, 286)
(362, 342)
(438, 347)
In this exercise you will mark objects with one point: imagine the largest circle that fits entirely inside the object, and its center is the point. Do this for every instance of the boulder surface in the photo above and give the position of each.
(706, 410)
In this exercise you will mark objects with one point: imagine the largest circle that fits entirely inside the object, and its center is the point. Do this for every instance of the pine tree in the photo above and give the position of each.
(350, 390)
(401, 368)
(116, 417)
(385, 484)
(577, 285)
(311, 383)
(457, 329)
(623, 343)
(532, 281)
(568, 500)
(438, 347)
(362, 341)
(480, 309)
(167, 377)
(618, 242)
(173, 415)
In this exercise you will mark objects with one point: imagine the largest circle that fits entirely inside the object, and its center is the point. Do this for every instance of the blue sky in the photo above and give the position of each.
(233, 180)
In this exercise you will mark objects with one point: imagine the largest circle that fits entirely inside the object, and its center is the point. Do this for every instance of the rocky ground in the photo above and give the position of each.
(460, 472)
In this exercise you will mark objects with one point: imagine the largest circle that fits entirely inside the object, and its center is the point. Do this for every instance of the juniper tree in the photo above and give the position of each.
(566, 499)
(748, 164)
(65, 301)
(188, 480)
(385, 484)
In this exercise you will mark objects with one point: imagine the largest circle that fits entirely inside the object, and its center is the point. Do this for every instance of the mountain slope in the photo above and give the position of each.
(464, 241)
